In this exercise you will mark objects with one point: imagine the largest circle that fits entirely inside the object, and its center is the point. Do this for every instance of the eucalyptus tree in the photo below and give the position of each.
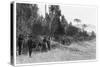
(54, 14)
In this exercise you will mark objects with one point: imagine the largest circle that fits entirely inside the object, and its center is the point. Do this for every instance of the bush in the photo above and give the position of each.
(72, 31)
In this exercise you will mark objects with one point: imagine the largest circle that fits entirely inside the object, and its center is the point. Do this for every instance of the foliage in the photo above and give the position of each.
(77, 20)
(54, 24)
(72, 30)
(26, 15)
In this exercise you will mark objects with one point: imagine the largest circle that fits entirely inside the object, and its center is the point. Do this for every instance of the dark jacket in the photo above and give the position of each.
(30, 42)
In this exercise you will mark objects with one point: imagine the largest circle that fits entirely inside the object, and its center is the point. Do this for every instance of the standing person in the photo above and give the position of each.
(40, 46)
(48, 43)
(30, 42)
(20, 42)
(44, 44)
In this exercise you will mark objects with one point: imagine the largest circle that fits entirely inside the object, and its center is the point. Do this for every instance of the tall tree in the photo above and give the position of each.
(54, 14)
(26, 13)
(64, 22)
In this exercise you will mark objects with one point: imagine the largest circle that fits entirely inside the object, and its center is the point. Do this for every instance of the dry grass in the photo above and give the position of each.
(76, 51)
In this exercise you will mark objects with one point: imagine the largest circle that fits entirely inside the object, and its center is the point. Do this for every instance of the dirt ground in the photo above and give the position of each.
(76, 51)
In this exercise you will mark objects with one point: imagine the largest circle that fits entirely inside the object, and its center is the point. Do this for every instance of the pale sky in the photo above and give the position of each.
(88, 15)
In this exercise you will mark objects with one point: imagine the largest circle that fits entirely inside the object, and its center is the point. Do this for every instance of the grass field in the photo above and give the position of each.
(76, 51)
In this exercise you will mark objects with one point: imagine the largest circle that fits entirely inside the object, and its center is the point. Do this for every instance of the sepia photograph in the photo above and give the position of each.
(54, 32)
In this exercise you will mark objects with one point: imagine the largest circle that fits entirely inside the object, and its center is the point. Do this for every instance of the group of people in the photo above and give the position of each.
(44, 45)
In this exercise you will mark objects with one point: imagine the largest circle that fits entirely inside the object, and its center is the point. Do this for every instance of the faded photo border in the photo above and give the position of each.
(59, 62)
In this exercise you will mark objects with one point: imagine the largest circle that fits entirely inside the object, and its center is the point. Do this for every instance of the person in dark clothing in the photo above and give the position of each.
(20, 42)
(48, 44)
(63, 42)
(40, 46)
(44, 45)
(30, 42)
